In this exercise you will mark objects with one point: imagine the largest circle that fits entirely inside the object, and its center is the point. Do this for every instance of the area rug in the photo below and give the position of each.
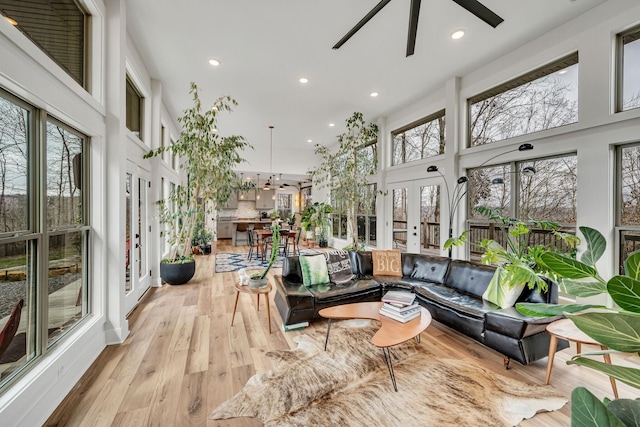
(234, 262)
(349, 385)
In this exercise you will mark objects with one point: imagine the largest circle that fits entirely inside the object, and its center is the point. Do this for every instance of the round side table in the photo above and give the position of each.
(253, 291)
(567, 330)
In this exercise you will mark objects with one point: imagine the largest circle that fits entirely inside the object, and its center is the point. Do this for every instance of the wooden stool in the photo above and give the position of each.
(567, 330)
(254, 291)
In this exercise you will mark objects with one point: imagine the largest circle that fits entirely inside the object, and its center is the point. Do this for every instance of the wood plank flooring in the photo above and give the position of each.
(182, 359)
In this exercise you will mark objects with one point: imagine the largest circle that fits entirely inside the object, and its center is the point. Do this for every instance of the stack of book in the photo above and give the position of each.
(400, 306)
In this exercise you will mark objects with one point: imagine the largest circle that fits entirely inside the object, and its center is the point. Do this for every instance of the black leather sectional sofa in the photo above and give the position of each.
(450, 289)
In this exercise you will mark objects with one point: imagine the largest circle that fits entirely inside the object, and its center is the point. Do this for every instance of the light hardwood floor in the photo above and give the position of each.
(182, 359)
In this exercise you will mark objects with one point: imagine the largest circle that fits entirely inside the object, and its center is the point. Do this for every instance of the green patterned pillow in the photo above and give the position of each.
(502, 294)
(314, 270)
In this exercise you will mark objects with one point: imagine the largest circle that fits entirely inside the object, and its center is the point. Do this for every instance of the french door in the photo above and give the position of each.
(137, 273)
(415, 216)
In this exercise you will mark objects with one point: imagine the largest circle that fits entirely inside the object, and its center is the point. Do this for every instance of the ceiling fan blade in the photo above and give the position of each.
(360, 24)
(413, 26)
(481, 11)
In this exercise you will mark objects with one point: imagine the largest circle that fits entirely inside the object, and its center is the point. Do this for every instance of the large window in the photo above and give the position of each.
(541, 189)
(134, 109)
(628, 65)
(628, 200)
(419, 140)
(57, 27)
(44, 232)
(543, 99)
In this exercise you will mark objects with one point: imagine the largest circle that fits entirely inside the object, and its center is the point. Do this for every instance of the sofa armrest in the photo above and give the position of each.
(512, 323)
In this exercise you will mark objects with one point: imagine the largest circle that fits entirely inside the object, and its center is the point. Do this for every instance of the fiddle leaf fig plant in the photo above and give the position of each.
(616, 328)
(208, 160)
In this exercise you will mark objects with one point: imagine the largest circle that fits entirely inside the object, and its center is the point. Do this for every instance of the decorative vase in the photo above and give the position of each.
(257, 283)
(177, 273)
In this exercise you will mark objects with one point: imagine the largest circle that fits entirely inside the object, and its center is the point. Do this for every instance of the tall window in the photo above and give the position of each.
(57, 27)
(419, 140)
(370, 152)
(543, 99)
(628, 200)
(134, 109)
(54, 248)
(541, 189)
(367, 216)
(628, 66)
(283, 205)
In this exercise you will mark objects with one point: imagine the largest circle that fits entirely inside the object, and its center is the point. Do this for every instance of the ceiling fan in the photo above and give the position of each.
(473, 6)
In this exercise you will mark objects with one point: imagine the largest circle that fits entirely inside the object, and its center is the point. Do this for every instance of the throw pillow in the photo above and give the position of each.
(387, 262)
(339, 266)
(314, 270)
(504, 295)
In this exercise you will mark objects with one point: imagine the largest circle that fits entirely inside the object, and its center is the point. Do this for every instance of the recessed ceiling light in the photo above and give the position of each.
(332, 124)
(214, 130)
(458, 34)
(309, 140)
(11, 21)
(214, 62)
(561, 72)
(373, 94)
(303, 80)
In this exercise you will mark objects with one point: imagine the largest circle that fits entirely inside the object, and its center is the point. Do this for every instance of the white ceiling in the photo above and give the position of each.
(265, 46)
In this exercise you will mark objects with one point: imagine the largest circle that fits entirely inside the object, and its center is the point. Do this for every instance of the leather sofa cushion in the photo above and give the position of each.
(533, 295)
(461, 302)
(295, 293)
(510, 322)
(291, 269)
(431, 269)
(333, 292)
(468, 277)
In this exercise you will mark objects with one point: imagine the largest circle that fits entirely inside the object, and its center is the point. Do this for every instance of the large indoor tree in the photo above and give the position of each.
(345, 172)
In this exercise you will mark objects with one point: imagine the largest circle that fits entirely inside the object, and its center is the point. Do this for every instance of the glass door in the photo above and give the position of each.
(136, 257)
(415, 213)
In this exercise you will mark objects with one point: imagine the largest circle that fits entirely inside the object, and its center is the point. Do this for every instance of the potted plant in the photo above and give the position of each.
(323, 223)
(202, 237)
(616, 328)
(345, 171)
(258, 279)
(208, 159)
(307, 224)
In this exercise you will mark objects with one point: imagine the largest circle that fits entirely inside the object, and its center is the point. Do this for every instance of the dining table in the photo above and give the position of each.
(263, 233)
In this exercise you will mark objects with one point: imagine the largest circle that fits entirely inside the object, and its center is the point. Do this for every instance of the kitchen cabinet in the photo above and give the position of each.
(225, 229)
(232, 203)
(266, 200)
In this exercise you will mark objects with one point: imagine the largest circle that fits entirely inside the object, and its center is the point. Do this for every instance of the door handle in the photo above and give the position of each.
(415, 234)
(137, 245)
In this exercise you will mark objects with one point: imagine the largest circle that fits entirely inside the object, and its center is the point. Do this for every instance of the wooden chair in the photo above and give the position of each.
(241, 228)
(254, 244)
(11, 327)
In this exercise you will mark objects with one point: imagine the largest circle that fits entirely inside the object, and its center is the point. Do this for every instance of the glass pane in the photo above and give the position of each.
(400, 218)
(15, 309)
(420, 142)
(134, 109)
(142, 226)
(64, 177)
(14, 185)
(549, 193)
(548, 102)
(65, 281)
(630, 186)
(127, 228)
(630, 75)
(629, 242)
(490, 187)
(56, 27)
(430, 216)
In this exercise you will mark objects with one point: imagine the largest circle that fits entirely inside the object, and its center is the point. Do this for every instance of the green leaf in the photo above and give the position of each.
(582, 287)
(627, 410)
(625, 291)
(630, 376)
(588, 411)
(618, 331)
(567, 267)
(596, 244)
(632, 265)
(548, 310)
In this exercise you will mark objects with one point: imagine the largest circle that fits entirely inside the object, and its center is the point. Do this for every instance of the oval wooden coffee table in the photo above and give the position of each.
(391, 331)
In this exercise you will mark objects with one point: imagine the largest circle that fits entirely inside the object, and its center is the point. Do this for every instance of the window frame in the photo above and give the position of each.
(440, 114)
(131, 84)
(619, 75)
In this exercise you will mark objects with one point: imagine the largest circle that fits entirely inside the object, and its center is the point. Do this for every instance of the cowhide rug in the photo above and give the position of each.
(349, 385)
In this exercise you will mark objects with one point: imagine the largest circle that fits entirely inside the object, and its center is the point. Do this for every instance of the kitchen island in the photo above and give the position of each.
(240, 226)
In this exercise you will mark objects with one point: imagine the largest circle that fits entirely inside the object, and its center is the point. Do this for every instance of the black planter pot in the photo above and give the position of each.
(323, 243)
(177, 274)
(205, 249)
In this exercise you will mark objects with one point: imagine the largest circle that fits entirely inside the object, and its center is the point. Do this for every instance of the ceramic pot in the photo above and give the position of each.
(177, 274)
